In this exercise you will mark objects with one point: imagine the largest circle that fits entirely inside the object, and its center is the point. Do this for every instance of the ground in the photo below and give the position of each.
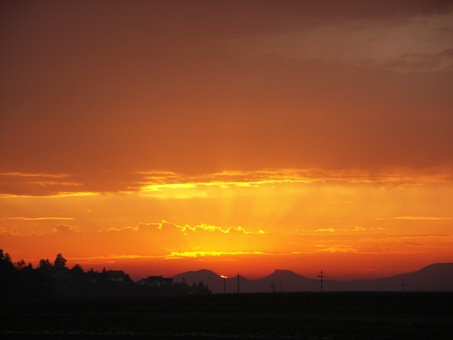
(236, 316)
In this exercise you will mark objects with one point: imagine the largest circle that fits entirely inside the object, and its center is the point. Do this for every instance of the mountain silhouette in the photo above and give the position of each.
(208, 277)
(281, 281)
(435, 277)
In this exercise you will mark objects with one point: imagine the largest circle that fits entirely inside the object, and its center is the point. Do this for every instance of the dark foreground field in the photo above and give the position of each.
(243, 316)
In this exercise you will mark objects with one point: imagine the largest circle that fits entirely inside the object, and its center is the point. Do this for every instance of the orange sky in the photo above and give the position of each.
(164, 136)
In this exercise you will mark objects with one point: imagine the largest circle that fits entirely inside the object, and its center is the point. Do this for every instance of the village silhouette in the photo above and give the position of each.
(55, 279)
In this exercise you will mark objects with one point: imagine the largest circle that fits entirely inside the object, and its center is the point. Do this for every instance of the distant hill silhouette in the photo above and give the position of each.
(281, 281)
(435, 277)
(208, 277)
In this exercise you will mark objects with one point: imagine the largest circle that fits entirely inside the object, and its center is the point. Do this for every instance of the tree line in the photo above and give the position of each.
(55, 279)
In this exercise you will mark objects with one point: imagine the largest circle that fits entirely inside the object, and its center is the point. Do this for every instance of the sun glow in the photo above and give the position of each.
(193, 254)
(166, 185)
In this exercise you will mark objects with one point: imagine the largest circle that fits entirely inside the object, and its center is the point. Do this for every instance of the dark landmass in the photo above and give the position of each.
(55, 279)
(435, 277)
(56, 302)
(340, 315)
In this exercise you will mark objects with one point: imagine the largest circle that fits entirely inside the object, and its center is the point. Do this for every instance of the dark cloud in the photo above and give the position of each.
(416, 62)
(110, 22)
(448, 54)
(38, 184)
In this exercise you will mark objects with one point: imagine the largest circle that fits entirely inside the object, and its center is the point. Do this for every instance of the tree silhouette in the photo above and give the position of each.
(8, 277)
(5, 261)
(19, 265)
(77, 268)
(45, 266)
(7, 268)
(59, 263)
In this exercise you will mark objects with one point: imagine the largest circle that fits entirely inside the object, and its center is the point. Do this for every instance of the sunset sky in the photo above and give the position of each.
(239, 136)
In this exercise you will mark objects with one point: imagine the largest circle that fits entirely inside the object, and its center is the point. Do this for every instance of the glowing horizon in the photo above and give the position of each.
(322, 214)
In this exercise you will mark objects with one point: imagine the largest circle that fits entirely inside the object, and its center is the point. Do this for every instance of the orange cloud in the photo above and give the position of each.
(47, 218)
(65, 228)
(204, 227)
(325, 230)
(167, 184)
(423, 218)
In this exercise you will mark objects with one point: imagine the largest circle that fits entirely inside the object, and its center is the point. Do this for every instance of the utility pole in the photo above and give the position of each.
(273, 287)
(321, 279)
(403, 285)
(239, 279)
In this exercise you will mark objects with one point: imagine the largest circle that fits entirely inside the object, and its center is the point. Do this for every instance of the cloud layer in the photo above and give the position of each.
(102, 91)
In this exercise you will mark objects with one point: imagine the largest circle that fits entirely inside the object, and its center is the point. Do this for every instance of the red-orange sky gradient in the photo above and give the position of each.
(238, 136)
